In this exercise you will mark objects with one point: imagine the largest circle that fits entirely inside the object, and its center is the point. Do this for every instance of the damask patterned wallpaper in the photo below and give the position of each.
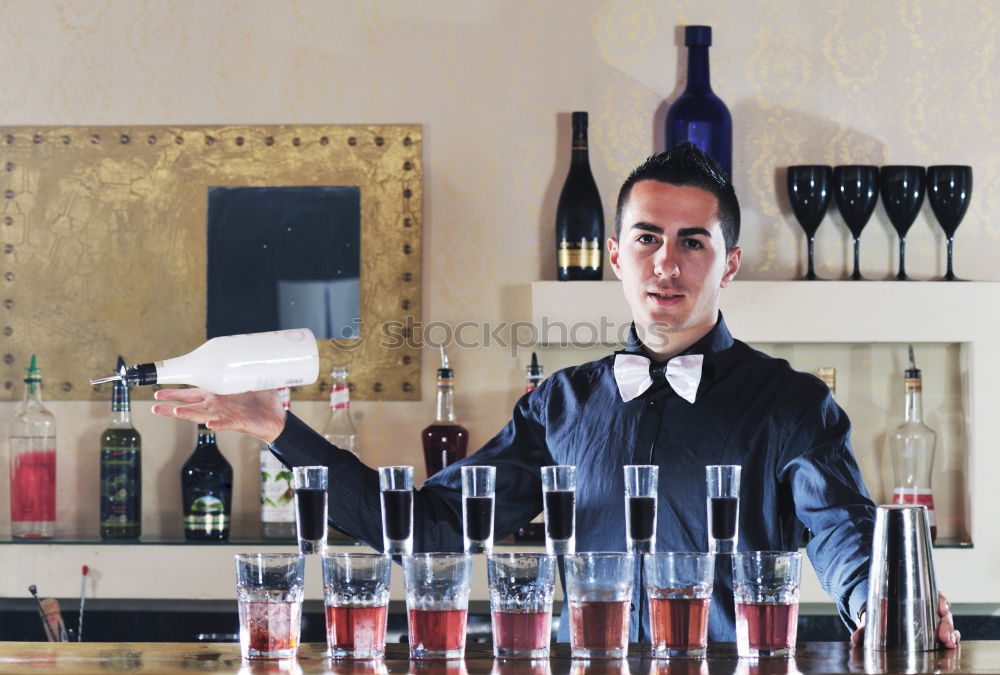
(493, 83)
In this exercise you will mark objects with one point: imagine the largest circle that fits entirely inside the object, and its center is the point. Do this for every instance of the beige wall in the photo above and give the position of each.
(493, 83)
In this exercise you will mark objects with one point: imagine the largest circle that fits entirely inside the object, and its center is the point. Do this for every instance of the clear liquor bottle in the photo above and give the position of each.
(277, 496)
(445, 441)
(911, 447)
(206, 490)
(32, 439)
(121, 470)
(339, 428)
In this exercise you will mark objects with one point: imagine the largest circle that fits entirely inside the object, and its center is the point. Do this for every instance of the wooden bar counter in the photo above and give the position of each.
(161, 657)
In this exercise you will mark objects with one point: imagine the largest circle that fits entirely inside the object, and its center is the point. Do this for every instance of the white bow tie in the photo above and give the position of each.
(683, 373)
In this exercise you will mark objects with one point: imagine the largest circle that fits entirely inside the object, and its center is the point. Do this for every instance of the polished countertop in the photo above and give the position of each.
(177, 657)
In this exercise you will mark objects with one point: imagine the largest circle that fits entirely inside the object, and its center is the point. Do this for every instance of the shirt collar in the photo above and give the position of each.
(714, 341)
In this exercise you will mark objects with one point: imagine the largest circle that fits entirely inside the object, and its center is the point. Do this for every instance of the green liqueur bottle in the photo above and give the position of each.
(207, 490)
(121, 470)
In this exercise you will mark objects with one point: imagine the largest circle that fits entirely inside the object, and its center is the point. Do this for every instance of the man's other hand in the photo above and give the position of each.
(257, 413)
(946, 633)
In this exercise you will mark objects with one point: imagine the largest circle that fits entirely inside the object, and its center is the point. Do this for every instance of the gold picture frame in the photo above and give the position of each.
(104, 236)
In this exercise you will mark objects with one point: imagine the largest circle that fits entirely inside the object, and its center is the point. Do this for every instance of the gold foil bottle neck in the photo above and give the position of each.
(829, 377)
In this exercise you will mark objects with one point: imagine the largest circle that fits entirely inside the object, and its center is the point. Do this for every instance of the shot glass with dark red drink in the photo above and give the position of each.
(437, 603)
(559, 503)
(599, 589)
(478, 494)
(640, 507)
(679, 587)
(521, 589)
(309, 483)
(356, 598)
(723, 482)
(396, 483)
(766, 591)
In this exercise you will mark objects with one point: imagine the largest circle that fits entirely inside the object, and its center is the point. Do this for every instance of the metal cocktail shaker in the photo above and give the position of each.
(902, 591)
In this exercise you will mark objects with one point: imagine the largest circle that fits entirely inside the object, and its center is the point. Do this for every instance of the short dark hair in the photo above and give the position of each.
(687, 165)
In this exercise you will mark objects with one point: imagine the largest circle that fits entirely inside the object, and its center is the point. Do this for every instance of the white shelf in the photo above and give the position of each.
(846, 312)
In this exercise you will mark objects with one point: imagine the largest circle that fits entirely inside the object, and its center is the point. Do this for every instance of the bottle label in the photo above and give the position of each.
(207, 514)
(585, 253)
(33, 482)
(912, 385)
(277, 497)
(925, 496)
(340, 397)
(121, 486)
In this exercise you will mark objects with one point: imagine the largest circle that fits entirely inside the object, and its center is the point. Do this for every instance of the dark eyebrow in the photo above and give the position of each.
(692, 231)
(648, 227)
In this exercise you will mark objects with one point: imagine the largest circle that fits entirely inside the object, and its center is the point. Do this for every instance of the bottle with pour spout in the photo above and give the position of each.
(234, 364)
(445, 441)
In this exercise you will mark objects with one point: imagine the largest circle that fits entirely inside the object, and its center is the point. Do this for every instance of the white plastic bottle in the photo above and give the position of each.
(234, 364)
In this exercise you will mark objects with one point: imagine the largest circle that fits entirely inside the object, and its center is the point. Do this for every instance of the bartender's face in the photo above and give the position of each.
(672, 261)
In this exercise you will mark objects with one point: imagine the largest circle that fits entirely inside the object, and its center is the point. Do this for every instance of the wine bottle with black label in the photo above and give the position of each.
(579, 216)
(206, 490)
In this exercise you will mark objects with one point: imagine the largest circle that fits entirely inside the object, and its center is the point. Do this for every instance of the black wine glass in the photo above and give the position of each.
(902, 189)
(809, 188)
(855, 187)
(949, 189)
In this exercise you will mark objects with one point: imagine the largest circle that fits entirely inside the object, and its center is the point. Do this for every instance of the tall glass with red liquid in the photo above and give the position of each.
(599, 589)
(521, 589)
(679, 586)
(437, 603)
(766, 590)
(445, 441)
(356, 597)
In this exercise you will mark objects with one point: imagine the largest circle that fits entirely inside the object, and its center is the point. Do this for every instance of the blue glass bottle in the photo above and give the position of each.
(698, 115)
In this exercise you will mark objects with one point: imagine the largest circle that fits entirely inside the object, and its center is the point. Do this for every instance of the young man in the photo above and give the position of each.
(682, 394)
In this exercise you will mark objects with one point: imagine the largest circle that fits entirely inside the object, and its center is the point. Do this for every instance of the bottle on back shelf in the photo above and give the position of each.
(535, 530)
(579, 215)
(339, 428)
(277, 497)
(911, 446)
(698, 115)
(234, 364)
(31, 434)
(206, 490)
(121, 470)
(445, 441)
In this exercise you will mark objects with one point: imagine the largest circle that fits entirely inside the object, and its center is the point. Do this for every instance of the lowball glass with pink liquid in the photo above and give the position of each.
(766, 590)
(437, 603)
(521, 590)
(269, 591)
(599, 588)
(356, 597)
(679, 586)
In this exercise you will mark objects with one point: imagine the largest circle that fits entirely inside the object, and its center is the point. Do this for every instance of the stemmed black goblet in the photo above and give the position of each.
(855, 187)
(949, 189)
(902, 189)
(809, 187)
